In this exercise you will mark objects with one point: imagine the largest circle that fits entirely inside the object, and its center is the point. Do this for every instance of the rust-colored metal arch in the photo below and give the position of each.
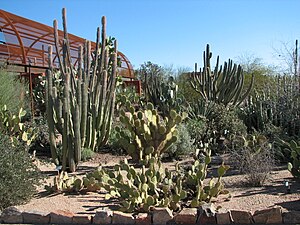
(26, 44)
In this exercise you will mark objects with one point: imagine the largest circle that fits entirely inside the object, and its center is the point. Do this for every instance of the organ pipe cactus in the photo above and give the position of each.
(163, 94)
(223, 84)
(149, 134)
(82, 113)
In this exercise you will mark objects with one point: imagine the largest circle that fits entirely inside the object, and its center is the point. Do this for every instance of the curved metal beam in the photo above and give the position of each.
(17, 34)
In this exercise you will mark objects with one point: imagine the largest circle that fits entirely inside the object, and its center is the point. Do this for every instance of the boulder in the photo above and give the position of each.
(11, 215)
(143, 219)
(36, 217)
(240, 216)
(82, 219)
(291, 217)
(223, 217)
(160, 216)
(206, 214)
(61, 216)
(103, 216)
(122, 218)
(186, 216)
(272, 215)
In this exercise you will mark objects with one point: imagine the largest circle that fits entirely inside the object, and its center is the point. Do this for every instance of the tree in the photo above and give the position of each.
(288, 53)
(253, 65)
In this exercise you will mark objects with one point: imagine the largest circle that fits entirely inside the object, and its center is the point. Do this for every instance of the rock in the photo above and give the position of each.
(11, 215)
(143, 219)
(161, 216)
(61, 216)
(239, 216)
(206, 214)
(291, 217)
(223, 217)
(103, 216)
(36, 217)
(122, 218)
(81, 219)
(272, 215)
(186, 216)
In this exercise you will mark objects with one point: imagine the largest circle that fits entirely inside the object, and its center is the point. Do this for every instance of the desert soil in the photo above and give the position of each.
(242, 197)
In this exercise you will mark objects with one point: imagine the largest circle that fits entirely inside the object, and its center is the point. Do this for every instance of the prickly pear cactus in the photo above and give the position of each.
(139, 190)
(65, 183)
(150, 135)
(294, 166)
(194, 180)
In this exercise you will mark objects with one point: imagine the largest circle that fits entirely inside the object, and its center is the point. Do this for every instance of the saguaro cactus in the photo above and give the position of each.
(221, 85)
(83, 112)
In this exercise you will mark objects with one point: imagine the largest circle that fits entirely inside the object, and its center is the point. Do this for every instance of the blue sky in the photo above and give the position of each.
(175, 32)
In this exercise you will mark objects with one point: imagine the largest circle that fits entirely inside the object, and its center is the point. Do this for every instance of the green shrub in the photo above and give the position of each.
(12, 91)
(41, 143)
(197, 130)
(218, 128)
(183, 145)
(19, 176)
(87, 154)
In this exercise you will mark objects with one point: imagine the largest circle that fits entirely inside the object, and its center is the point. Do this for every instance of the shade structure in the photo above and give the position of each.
(24, 44)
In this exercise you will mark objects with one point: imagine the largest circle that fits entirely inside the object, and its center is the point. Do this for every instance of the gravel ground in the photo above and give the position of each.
(241, 197)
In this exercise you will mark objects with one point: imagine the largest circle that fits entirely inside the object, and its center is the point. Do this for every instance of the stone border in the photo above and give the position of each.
(159, 216)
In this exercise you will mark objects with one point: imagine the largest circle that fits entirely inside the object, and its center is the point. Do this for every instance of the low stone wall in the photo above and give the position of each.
(159, 216)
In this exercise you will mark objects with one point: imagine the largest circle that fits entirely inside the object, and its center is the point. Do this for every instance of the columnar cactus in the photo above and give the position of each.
(82, 112)
(150, 135)
(280, 107)
(163, 94)
(223, 84)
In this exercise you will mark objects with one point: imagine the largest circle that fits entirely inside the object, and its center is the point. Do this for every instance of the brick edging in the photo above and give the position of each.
(159, 216)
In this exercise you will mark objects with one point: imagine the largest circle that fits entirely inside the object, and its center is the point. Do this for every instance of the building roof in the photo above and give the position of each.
(25, 42)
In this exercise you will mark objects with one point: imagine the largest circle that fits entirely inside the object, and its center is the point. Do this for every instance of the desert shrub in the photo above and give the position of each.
(19, 176)
(183, 145)
(253, 156)
(114, 142)
(41, 143)
(87, 154)
(197, 130)
(218, 127)
(12, 91)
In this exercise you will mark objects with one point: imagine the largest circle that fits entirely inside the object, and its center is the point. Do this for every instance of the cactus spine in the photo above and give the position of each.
(222, 85)
(87, 101)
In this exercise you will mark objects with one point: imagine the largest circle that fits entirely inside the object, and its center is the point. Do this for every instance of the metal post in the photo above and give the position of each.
(30, 90)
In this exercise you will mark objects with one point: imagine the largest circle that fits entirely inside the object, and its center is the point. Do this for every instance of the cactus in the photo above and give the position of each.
(12, 125)
(222, 85)
(140, 190)
(294, 166)
(163, 94)
(65, 183)
(149, 134)
(279, 108)
(195, 181)
(82, 111)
